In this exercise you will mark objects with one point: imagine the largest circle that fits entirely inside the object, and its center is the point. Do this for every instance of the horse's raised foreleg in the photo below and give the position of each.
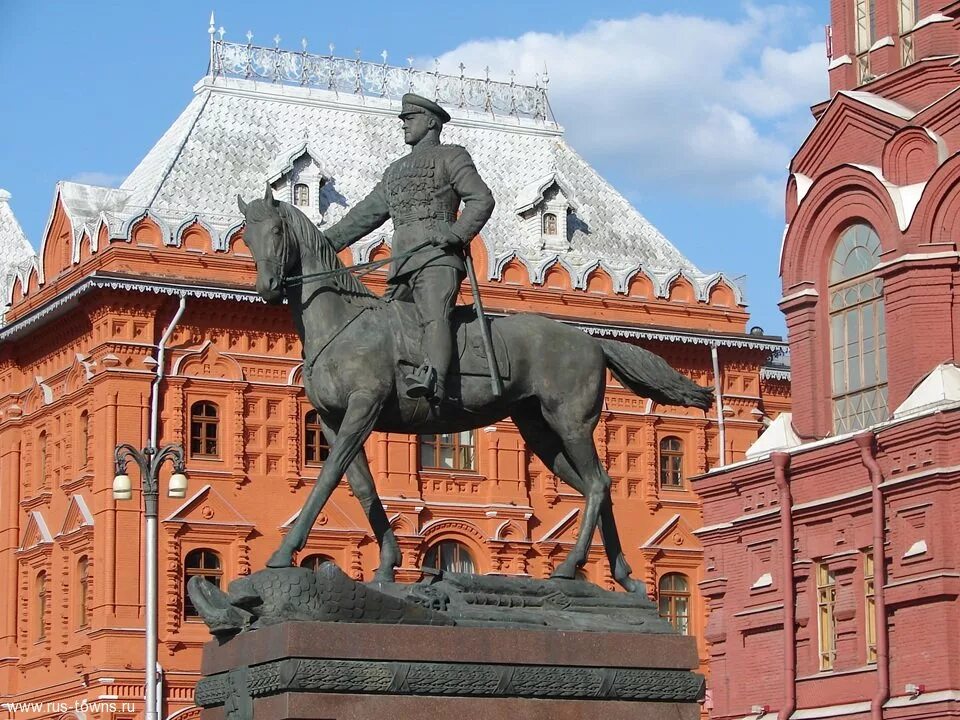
(361, 482)
(361, 414)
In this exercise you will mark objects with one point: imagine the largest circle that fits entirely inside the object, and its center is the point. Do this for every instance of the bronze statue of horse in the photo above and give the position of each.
(355, 341)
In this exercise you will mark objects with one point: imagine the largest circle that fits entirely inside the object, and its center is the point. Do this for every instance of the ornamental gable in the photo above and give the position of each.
(333, 517)
(852, 130)
(208, 507)
(36, 533)
(566, 530)
(208, 362)
(674, 534)
(77, 517)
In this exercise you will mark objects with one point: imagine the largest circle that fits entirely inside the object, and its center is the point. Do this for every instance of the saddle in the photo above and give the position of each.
(469, 359)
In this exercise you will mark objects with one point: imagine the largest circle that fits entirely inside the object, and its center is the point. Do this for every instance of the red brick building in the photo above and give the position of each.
(832, 572)
(79, 369)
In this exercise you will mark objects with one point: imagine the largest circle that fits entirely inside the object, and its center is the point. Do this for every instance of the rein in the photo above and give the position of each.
(359, 270)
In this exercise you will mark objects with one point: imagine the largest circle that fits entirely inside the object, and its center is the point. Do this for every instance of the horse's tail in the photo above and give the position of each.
(649, 375)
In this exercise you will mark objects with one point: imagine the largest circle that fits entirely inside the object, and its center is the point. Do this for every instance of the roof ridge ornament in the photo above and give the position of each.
(377, 79)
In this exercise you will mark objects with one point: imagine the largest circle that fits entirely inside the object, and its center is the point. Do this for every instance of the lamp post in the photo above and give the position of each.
(150, 460)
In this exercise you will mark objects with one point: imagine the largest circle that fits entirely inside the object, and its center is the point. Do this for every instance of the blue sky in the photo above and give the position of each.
(690, 109)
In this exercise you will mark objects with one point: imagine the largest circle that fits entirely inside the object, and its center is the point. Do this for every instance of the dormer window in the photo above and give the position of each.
(301, 195)
(297, 176)
(549, 224)
(545, 207)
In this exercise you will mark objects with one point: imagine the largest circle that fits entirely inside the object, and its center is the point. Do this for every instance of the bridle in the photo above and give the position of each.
(357, 270)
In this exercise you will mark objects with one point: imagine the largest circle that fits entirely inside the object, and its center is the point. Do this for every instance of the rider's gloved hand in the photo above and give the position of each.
(447, 238)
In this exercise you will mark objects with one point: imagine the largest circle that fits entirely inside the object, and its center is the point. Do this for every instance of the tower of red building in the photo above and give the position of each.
(832, 572)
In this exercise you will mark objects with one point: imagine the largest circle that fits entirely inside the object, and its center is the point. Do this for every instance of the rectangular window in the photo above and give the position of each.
(204, 421)
(909, 12)
(866, 23)
(315, 448)
(826, 622)
(865, 27)
(870, 607)
(448, 451)
(671, 463)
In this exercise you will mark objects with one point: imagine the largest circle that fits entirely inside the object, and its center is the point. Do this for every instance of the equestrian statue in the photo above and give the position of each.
(412, 362)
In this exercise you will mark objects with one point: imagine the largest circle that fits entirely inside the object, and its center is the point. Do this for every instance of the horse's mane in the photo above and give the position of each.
(312, 240)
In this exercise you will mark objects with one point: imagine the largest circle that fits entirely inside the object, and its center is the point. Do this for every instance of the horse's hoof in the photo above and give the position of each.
(384, 575)
(280, 559)
(390, 555)
(622, 575)
(632, 586)
(564, 573)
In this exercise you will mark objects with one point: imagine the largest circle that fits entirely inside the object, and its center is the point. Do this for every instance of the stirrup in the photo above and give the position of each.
(421, 382)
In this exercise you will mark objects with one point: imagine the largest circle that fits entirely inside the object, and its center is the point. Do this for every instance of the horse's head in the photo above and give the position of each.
(265, 234)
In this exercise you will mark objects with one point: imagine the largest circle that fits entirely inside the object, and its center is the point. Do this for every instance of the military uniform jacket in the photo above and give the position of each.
(421, 192)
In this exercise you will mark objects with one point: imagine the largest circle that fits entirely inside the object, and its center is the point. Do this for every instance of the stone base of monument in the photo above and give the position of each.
(356, 671)
(311, 646)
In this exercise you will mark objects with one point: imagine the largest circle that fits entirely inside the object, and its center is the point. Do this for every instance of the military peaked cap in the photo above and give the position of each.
(413, 103)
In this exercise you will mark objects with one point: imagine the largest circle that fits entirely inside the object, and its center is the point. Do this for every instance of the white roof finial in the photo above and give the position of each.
(213, 24)
(4, 196)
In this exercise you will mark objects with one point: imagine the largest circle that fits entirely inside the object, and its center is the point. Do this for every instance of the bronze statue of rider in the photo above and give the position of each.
(422, 193)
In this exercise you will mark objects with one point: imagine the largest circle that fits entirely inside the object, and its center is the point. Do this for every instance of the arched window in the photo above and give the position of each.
(301, 195)
(674, 594)
(671, 463)
(315, 561)
(202, 563)
(83, 590)
(84, 440)
(451, 556)
(448, 451)
(549, 224)
(204, 424)
(315, 448)
(857, 332)
(41, 605)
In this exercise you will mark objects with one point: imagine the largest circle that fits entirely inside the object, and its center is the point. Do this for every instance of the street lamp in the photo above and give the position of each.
(150, 460)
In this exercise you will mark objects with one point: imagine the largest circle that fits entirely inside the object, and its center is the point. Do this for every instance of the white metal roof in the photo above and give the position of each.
(234, 132)
(17, 256)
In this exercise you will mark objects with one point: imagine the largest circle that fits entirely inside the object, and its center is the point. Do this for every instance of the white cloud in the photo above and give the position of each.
(784, 81)
(94, 177)
(675, 101)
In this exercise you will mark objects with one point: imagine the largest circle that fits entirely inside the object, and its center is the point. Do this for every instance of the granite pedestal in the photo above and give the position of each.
(359, 671)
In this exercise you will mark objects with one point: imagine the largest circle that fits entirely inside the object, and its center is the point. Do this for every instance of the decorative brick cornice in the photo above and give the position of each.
(803, 299)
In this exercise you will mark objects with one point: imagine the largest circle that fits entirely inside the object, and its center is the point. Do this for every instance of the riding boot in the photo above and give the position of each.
(439, 388)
